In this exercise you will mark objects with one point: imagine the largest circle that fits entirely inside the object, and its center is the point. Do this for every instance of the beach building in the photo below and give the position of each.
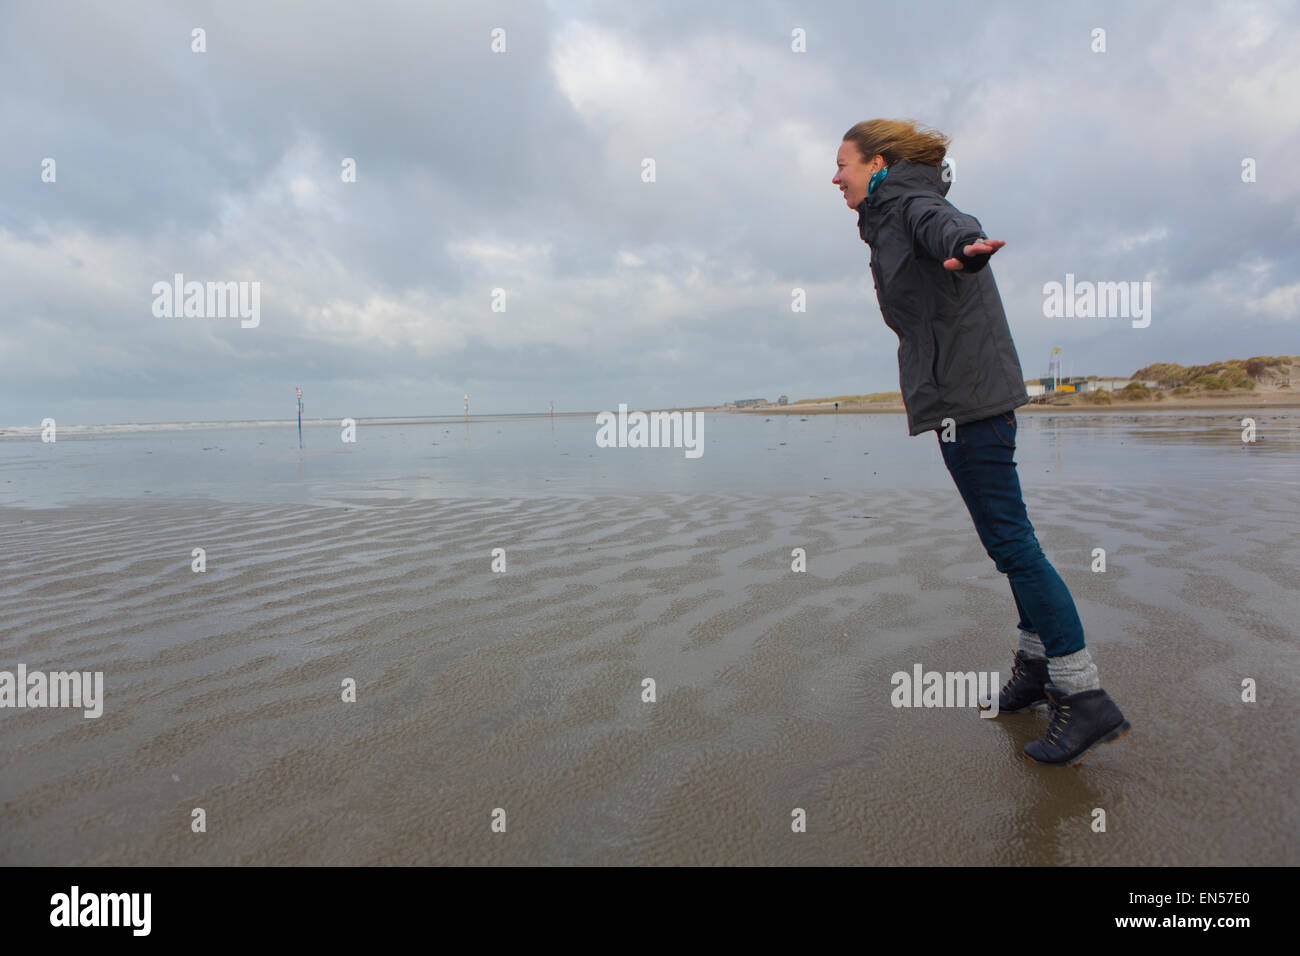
(1109, 384)
(1083, 386)
(1116, 384)
(750, 402)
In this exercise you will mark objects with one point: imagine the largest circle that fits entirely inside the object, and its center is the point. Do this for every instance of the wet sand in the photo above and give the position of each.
(522, 690)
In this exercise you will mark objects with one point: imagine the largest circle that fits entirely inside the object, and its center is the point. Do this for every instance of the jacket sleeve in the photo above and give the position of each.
(942, 230)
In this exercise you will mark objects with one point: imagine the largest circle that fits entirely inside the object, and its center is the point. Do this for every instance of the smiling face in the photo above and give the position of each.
(852, 173)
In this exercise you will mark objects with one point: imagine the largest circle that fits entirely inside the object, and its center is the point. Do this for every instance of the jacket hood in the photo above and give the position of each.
(904, 176)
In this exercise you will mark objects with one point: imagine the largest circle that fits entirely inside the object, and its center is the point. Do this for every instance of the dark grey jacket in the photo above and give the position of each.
(955, 354)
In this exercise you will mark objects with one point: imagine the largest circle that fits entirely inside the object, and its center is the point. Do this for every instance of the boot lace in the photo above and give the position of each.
(1019, 672)
(1060, 717)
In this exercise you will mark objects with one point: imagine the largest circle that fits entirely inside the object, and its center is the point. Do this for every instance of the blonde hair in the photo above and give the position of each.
(898, 139)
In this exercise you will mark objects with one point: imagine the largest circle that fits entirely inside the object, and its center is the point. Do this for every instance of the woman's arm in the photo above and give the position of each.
(946, 233)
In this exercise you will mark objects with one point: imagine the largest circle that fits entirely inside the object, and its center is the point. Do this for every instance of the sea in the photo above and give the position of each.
(507, 456)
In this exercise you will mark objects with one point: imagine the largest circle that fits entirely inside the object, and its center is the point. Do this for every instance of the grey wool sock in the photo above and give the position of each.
(1032, 646)
(1073, 672)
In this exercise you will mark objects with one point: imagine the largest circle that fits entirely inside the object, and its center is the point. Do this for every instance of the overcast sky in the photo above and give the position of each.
(522, 171)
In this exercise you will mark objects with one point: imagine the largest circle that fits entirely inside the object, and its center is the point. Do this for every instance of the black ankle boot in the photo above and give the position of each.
(1080, 724)
(1025, 686)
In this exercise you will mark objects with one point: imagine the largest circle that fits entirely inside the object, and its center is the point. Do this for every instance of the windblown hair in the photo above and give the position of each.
(898, 139)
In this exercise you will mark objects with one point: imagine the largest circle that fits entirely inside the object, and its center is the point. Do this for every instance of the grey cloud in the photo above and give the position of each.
(226, 165)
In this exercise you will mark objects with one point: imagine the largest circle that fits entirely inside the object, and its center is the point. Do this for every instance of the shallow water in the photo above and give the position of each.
(514, 456)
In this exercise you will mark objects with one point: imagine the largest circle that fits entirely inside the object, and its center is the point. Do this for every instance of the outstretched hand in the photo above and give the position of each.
(979, 248)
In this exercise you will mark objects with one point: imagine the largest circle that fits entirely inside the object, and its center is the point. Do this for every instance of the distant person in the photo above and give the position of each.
(956, 361)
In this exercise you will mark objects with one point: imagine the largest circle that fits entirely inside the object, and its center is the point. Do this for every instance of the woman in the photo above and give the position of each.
(961, 377)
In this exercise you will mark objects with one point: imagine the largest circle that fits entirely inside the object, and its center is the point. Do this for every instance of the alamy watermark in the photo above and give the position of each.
(653, 430)
(948, 689)
(1098, 300)
(76, 908)
(208, 300)
(82, 689)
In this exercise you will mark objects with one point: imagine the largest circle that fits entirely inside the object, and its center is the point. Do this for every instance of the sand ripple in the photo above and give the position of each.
(522, 690)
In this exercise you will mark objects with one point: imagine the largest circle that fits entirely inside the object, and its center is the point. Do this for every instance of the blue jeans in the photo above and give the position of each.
(981, 461)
